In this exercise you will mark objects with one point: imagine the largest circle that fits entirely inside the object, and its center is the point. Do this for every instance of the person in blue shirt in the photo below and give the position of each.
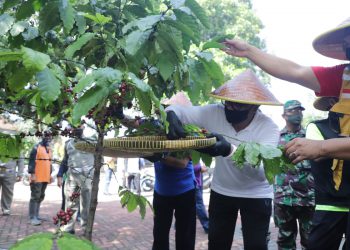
(174, 195)
(174, 191)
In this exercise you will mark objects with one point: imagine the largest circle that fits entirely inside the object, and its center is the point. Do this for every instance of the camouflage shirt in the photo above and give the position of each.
(295, 188)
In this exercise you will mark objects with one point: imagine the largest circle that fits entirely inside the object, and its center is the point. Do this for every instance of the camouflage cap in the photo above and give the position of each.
(292, 104)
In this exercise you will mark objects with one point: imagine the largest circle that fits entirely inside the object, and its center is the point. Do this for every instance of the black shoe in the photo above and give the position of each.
(71, 231)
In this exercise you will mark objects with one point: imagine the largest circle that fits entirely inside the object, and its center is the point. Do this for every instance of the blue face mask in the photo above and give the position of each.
(295, 119)
(235, 116)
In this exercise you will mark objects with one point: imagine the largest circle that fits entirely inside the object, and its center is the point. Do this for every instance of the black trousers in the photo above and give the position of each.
(37, 191)
(183, 206)
(328, 228)
(255, 216)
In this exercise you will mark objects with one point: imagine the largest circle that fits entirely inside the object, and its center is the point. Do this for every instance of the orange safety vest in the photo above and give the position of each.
(43, 164)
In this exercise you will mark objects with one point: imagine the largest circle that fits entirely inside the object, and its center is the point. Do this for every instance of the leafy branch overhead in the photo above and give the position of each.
(69, 60)
(272, 158)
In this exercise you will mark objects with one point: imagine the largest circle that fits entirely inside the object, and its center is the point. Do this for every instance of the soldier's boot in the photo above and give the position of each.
(33, 213)
(37, 212)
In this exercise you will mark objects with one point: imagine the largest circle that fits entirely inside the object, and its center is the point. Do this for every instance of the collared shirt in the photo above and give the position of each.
(294, 188)
(76, 160)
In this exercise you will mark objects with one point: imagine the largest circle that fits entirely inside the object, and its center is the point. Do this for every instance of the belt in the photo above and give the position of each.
(331, 208)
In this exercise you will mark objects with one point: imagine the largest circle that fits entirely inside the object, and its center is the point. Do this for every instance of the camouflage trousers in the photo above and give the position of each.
(288, 219)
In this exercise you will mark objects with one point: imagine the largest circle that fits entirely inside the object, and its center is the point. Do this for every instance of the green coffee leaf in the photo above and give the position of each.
(67, 15)
(6, 22)
(34, 60)
(135, 40)
(198, 11)
(98, 18)
(78, 44)
(212, 44)
(252, 152)
(132, 203)
(238, 156)
(48, 85)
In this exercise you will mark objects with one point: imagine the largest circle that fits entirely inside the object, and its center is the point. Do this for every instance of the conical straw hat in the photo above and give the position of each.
(246, 88)
(330, 43)
(179, 99)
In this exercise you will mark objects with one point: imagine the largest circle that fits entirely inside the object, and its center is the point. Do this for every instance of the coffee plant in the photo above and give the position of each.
(79, 60)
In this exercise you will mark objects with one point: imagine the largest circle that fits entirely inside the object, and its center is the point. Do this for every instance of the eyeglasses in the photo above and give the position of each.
(236, 106)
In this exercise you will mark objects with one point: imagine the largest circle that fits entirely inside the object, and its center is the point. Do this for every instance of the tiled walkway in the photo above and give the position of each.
(114, 227)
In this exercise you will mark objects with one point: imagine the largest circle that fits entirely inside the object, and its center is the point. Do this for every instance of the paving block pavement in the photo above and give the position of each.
(114, 227)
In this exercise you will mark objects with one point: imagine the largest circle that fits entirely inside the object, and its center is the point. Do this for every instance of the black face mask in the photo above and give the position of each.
(235, 116)
(294, 119)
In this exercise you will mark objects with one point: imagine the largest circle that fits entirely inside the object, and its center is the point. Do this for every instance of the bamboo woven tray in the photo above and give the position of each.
(145, 145)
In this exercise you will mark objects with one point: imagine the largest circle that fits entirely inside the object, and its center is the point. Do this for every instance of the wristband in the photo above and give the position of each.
(233, 150)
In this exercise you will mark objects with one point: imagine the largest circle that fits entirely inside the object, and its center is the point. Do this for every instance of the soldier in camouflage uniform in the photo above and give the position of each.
(294, 198)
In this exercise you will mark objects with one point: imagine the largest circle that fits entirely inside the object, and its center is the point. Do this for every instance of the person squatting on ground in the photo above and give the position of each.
(200, 207)
(294, 197)
(79, 167)
(234, 189)
(8, 177)
(39, 168)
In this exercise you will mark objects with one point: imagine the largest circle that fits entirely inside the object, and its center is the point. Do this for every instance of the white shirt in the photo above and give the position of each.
(133, 165)
(228, 179)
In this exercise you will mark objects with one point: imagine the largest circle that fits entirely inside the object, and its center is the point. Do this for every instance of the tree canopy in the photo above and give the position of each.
(75, 59)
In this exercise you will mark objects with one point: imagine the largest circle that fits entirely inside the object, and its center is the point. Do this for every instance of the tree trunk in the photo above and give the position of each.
(95, 183)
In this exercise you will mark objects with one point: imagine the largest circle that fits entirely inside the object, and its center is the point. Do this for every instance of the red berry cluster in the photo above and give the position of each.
(63, 217)
(204, 131)
(74, 196)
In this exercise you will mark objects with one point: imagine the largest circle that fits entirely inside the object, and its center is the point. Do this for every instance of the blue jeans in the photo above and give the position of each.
(108, 177)
(200, 209)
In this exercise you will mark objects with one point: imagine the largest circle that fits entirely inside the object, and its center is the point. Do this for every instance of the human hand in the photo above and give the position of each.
(59, 181)
(236, 47)
(176, 130)
(300, 149)
(51, 179)
(220, 148)
(18, 178)
(154, 158)
(32, 178)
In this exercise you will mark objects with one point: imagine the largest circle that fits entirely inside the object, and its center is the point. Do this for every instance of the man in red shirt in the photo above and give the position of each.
(325, 81)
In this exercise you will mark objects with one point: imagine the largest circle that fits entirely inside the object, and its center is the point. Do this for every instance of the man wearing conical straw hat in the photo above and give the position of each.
(236, 119)
(325, 81)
